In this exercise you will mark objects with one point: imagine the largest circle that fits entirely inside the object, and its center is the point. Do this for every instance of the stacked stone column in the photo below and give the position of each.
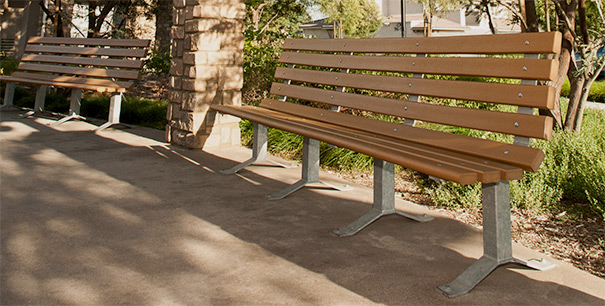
(206, 69)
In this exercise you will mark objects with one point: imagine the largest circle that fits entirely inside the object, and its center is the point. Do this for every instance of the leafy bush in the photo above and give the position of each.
(8, 64)
(158, 61)
(573, 171)
(135, 110)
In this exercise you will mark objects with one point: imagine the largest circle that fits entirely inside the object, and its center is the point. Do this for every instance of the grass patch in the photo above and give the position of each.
(135, 110)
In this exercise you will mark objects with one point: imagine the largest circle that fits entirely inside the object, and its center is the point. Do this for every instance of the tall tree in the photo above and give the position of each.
(162, 9)
(353, 18)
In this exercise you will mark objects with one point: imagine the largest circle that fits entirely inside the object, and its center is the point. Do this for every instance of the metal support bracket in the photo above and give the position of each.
(9, 96)
(259, 151)
(384, 201)
(310, 171)
(74, 107)
(497, 242)
(115, 106)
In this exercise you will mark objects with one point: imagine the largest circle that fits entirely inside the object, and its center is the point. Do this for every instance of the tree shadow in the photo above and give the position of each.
(112, 218)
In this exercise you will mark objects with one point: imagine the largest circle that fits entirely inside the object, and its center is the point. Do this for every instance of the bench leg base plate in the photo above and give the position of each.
(67, 118)
(480, 269)
(372, 216)
(300, 184)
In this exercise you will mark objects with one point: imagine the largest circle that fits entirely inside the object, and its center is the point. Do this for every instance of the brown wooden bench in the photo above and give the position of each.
(102, 65)
(335, 82)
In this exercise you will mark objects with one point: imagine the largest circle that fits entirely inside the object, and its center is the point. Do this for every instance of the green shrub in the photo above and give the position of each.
(8, 64)
(572, 173)
(158, 61)
(135, 110)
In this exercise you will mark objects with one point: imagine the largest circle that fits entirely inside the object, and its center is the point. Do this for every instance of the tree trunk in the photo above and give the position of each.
(58, 22)
(530, 16)
(490, 19)
(163, 23)
(575, 93)
(581, 106)
(92, 18)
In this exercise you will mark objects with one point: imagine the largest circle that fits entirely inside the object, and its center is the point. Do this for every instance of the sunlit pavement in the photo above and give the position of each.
(120, 217)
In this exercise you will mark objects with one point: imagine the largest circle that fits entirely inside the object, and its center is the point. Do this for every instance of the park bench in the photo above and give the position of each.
(95, 64)
(343, 88)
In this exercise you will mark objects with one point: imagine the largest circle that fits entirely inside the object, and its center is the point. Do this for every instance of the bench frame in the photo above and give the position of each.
(77, 88)
(497, 239)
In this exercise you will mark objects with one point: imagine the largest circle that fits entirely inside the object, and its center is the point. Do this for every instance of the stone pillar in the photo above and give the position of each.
(206, 69)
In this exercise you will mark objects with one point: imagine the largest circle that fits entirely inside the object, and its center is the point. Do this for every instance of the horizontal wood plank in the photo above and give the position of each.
(543, 69)
(500, 122)
(86, 51)
(139, 43)
(71, 79)
(78, 60)
(524, 43)
(426, 165)
(64, 84)
(512, 94)
(93, 72)
(526, 158)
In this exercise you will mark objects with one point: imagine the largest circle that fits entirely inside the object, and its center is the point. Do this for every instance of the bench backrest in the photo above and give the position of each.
(409, 73)
(104, 64)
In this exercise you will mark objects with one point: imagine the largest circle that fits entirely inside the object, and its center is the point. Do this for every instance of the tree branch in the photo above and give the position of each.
(515, 12)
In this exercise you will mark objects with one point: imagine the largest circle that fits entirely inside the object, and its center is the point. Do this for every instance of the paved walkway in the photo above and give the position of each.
(121, 217)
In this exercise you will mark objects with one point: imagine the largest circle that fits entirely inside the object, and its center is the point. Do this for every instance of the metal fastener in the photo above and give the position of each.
(417, 44)
(527, 42)
(395, 129)
(405, 108)
(336, 78)
(439, 165)
(524, 68)
(345, 44)
(340, 60)
(321, 114)
(278, 88)
(331, 97)
(516, 124)
(520, 95)
(410, 84)
(413, 63)
(506, 152)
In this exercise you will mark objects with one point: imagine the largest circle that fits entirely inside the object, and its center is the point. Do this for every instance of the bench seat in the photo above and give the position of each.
(369, 96)
(93, 64)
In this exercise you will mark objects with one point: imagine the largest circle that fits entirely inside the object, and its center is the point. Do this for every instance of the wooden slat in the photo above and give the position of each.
(512, 94)
(501, 122)
(487, 170)
(71, 79)
(486, 67)
(94, 72)
(524, 43)
(86, 51)
(78, 60)
(65, 85)
(89, 41)
(449, 172)
(526, 158)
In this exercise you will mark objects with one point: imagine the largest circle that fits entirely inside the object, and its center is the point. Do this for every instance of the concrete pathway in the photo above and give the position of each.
(121, 217)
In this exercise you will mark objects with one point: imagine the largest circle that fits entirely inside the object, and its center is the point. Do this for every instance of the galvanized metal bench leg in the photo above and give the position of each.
(115, 106)
(9, 95)
(74, 107)
(310, 171)
(384, 201)
(497, 242)
(39, 102)
(259, 150)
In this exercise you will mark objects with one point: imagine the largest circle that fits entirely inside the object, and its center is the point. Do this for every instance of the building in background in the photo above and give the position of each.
(446, 23)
